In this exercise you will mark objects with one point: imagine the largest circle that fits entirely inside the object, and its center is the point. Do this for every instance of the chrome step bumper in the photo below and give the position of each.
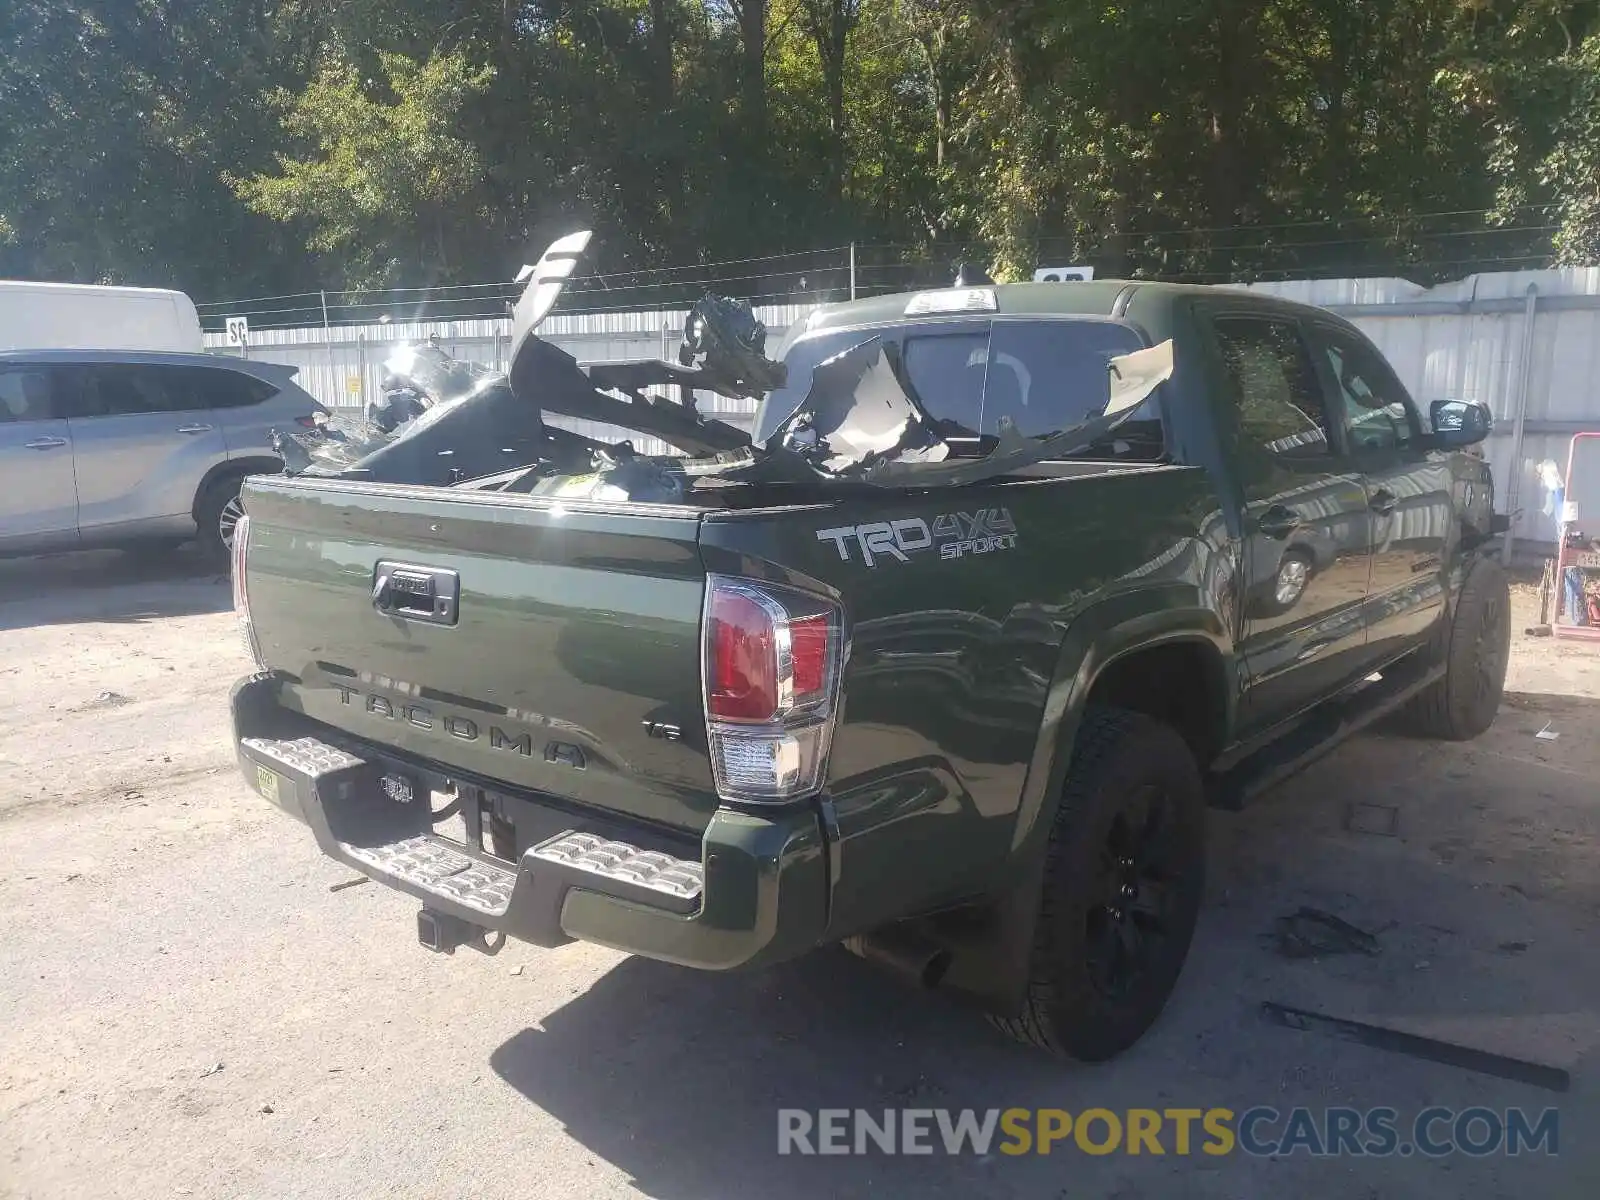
(329, 786)
(428, 862)
(673, 883)
(750, 889)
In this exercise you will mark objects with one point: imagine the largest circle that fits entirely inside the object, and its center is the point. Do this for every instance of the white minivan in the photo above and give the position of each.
(43, 316)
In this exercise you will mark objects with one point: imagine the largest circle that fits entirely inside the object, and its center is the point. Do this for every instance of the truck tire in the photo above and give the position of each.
(215, 515)
(1106, 958)
(1475, 646)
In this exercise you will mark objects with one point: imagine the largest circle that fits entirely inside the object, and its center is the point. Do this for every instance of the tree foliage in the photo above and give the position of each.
(238, 146)
(380, 170)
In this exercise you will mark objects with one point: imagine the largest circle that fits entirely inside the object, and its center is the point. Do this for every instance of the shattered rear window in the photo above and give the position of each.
(945, 373)
(803, 357)
(1043, 376)
(1049, 375)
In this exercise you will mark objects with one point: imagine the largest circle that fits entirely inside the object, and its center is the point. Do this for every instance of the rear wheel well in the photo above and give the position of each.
(1180, 684)
(233, 468)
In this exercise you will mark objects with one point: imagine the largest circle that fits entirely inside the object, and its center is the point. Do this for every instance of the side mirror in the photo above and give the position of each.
(1460, 423)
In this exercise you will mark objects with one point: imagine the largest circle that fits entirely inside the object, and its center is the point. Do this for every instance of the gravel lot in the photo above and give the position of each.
(186, 1008)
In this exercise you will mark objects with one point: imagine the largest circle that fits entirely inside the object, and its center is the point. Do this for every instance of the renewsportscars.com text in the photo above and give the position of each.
(1259, 1131)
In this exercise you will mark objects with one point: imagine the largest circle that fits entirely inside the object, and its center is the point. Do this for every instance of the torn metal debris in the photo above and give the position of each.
(1312, 933)
(1451, 1054)
(443, 422)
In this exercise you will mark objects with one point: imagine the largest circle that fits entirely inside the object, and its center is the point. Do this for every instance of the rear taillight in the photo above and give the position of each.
(238, 557)
(773, 658)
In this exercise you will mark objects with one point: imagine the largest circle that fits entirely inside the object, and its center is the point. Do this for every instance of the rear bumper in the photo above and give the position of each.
(763, 897)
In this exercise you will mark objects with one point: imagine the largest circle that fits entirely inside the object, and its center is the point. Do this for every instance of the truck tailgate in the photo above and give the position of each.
(572, 664)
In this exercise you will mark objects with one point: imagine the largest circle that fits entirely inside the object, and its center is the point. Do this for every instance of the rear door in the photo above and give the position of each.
(249, 408)
(1306, 530)
(39, 499)
(1409, 488)
(144, 437)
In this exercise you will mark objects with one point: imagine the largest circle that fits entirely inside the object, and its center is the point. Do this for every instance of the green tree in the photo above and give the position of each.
(1525, 83)
(116, 124)
(231, 146)
(829, 24)
(1570, 170)
(380, 172)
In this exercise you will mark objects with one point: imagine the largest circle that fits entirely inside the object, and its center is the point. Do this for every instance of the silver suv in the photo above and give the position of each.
(108, 447)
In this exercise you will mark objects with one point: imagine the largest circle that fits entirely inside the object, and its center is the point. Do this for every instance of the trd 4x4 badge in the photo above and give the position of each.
(955, 534)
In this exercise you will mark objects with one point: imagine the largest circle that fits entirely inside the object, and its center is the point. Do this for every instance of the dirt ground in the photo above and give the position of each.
(187, 1009)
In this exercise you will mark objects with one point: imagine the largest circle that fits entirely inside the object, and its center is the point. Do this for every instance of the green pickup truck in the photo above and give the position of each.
(945, 665)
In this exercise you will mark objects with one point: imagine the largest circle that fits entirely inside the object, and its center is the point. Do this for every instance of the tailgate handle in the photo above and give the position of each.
(414, 593)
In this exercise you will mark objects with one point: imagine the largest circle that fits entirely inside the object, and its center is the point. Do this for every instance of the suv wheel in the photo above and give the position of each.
(1294, 572)
(1286, 587)
(1475, 644)
(217, 516)
(1123, 877)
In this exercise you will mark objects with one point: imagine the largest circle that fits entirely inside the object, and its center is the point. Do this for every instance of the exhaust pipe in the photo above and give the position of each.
(904, 950)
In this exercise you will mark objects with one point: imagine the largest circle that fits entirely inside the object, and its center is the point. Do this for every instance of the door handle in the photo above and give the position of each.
(45, 443)
(426, 594)
(1383, 502)
(194, 428)
(1278, 521)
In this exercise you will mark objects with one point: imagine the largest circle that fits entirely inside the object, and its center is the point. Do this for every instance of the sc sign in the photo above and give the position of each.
(238, 331)
(1063, 275)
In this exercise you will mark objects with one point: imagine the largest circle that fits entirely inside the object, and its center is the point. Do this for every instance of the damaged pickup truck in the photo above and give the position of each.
(944, 664)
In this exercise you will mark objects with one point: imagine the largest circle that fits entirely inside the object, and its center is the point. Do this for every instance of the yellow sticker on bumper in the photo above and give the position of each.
(267, 783)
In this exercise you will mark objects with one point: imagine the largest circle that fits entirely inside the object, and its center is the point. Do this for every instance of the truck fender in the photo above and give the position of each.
(1099, 637)
(990, 956)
